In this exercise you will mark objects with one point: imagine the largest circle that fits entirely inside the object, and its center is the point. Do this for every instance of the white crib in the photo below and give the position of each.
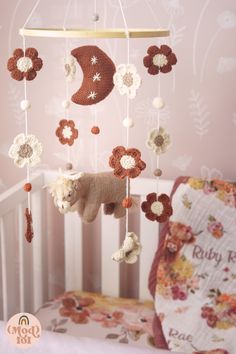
(24, 274)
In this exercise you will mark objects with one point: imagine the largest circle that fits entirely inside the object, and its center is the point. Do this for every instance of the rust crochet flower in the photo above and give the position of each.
(157, 208)
(24, 65)
(66, 132)
(126, 162)
(159, 59)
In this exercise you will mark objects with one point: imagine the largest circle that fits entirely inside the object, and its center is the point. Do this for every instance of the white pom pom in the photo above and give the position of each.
(65, 104)
(128, 122)
(25, 105)
(158, 103)
(95, 17)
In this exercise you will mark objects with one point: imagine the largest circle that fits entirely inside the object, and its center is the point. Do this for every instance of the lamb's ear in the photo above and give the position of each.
(76, 185)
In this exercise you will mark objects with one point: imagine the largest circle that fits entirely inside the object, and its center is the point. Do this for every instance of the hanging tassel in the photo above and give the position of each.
(29, 234)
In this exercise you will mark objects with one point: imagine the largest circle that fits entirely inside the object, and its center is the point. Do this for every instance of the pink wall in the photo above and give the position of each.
(200, 111)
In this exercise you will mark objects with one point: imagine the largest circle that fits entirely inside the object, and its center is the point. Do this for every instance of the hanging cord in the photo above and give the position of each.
(31, 13)
(25, 98)
(68, 6)
(95, 106)
(158, 127)
(66, 14)
(29, 232)
(126, 31)
(127, 111)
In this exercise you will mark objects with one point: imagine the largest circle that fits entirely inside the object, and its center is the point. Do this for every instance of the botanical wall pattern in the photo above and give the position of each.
(200, 111)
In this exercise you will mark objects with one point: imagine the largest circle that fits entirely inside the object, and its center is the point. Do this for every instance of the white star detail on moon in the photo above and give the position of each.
(92, 95)
(94, 60)
(97, 77)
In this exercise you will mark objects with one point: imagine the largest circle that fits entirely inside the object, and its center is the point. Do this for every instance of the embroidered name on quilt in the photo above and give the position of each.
(174, 333)
(212, 255)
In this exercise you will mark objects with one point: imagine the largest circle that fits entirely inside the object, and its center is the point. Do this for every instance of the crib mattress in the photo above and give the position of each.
(85, 314)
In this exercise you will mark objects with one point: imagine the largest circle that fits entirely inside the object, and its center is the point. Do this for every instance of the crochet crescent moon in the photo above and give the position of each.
(98, 70)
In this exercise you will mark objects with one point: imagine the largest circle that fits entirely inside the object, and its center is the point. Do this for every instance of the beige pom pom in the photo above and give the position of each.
(158, 103)
(157, 172)
(69, 166)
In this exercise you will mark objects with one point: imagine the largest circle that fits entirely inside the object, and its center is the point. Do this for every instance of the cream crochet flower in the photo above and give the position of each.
(26, 149)
(158, 141)
(127, 80)
(69, 67)
(129, 250)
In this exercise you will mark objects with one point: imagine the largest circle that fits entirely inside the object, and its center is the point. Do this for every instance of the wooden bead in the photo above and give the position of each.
(27, 187)
(157, 172)
(95, 130)
(69, 166)
(127, 202)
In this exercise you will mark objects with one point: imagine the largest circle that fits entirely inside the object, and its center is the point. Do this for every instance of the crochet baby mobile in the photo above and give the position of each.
(85, 192)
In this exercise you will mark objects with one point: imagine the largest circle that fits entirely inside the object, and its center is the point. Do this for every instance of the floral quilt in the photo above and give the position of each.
(195, 295)
(93, 315)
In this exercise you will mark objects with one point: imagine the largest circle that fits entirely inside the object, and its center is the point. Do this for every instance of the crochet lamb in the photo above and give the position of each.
(85, 192)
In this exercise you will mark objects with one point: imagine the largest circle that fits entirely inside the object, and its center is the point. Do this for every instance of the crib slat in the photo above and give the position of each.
(110, 229)
(148, 237)
(20, 215)
(37, 248)
(4, 271)
(73, 251)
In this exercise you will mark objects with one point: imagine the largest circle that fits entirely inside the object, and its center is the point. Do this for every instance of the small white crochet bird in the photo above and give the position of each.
(130, 249)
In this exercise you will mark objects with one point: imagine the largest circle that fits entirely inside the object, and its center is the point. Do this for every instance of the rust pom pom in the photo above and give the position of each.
(27, 187)
(127, 202)
(95, 130)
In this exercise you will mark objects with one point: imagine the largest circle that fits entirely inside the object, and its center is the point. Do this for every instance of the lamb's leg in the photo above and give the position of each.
(90, 212)
(109, 208)
(119, 211)
(81, 206)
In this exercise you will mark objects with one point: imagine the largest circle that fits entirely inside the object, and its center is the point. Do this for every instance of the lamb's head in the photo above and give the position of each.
(65, 193)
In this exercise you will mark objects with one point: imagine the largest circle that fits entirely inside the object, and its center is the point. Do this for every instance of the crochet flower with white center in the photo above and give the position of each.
(24, 64)
(26, 149)
(158, 141)
(130, 249)
(157, 207)
(127, 80)
(159, 59)
(69, 67)
(126, 162)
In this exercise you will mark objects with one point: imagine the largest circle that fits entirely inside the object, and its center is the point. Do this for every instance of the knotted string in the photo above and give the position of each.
(127, 111)
(66, 82)
(29, 229)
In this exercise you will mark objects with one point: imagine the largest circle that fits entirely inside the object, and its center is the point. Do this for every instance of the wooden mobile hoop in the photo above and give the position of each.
(91, 33)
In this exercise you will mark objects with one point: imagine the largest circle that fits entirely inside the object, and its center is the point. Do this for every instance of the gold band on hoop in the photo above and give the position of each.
(91, 33)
